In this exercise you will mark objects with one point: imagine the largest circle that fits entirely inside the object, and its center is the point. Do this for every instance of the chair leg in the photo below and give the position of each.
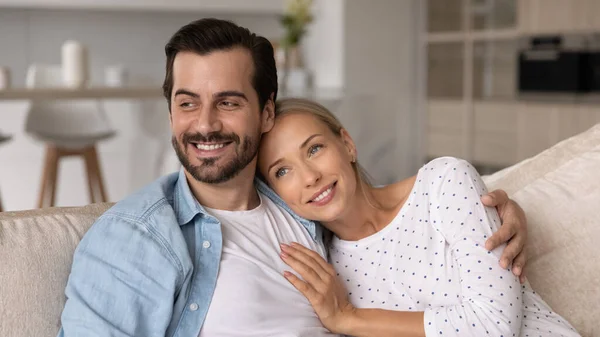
(94, 174)
(91, 176)
(1, 210)
(54, 178)
(49, 177)
(103, 197)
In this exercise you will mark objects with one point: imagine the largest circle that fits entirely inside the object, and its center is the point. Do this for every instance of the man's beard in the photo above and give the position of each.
(209, 172)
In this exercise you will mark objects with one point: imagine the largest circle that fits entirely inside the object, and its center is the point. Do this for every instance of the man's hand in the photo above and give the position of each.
(513, 232)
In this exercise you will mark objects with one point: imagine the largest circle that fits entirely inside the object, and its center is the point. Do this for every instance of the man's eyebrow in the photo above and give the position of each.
(230, 93)
(186, 92)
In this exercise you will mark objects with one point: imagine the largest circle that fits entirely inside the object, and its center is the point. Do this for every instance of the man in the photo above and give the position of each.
(196, 253)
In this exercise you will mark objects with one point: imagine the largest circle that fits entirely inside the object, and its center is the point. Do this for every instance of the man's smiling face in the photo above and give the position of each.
(216, 120)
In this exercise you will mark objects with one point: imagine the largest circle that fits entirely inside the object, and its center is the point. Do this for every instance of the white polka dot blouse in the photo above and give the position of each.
(432, 258)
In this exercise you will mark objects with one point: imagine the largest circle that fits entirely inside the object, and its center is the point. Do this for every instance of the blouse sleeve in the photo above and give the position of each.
(491, 297)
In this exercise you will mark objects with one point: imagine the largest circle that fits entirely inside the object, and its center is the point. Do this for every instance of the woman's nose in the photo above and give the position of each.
(311, 176)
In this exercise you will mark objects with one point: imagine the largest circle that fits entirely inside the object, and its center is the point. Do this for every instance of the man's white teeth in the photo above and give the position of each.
(323, 195)
(209, 147)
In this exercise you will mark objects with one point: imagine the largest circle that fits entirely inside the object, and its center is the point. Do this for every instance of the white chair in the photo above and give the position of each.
(3, 138)
(69, 128)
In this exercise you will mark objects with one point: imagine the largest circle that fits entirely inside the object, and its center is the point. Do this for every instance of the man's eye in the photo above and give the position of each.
(314, 149)
(280, 173)
(185, 104)
(228, 104)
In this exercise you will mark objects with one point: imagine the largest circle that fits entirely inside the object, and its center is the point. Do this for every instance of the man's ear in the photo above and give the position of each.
(348, 143)
(268, 115)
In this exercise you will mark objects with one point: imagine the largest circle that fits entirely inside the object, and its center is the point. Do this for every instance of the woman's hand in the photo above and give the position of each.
(321, 287)
(513, 232)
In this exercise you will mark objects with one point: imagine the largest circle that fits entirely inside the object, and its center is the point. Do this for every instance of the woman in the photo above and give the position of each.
(408, 259)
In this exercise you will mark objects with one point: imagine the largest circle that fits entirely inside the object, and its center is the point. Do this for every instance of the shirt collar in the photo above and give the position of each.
(313, 228)
(185, 204)
(187, 207)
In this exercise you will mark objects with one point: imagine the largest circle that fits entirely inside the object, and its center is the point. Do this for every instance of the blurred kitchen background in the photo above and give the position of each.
(491, 81)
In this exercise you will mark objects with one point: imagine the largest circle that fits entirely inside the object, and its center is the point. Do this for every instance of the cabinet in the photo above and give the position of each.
(504, 133)
(473, 109)
(558, 16)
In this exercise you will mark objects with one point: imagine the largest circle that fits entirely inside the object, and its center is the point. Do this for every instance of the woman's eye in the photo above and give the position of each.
(280, 173)
(314, 149)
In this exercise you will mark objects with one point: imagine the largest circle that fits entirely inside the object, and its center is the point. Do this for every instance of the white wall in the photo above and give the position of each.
(324, 44)
(382, 85)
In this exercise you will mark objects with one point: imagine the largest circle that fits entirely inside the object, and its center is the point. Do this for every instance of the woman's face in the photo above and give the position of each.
(309, 166)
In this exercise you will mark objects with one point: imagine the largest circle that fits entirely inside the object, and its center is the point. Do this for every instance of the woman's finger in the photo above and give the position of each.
(305, 256)
(315, 256)
(308, 273)
(503, 235)
(523, 276)
(512, 251)
(306, 289)
(519, 265)
(495, 198)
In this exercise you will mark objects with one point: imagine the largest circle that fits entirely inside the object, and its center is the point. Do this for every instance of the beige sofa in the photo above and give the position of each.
(559, 190)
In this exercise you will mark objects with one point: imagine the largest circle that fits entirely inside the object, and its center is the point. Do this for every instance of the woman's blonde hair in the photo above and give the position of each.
(294, 105)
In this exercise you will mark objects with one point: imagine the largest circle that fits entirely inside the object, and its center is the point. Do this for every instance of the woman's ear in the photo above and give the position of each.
(349, 144)
(268, 115)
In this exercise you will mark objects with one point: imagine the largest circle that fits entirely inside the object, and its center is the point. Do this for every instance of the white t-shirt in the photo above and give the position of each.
(252, 298)
(432, 258)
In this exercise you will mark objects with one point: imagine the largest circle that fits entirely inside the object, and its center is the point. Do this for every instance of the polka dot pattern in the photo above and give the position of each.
(432, 258)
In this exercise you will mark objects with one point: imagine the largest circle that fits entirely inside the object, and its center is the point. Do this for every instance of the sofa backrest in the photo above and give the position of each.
(559, 189)
(36, 252)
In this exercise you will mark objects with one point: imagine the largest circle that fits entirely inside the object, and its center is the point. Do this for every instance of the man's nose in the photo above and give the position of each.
(208, 120)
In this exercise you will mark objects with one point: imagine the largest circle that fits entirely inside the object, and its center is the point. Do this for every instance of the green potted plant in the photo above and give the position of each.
(295, 19)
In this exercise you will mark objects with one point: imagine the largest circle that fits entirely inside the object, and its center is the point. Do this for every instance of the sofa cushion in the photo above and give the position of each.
(559, 189)
(36, 252)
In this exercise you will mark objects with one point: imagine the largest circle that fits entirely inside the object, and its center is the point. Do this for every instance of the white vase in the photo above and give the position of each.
(74, 64)
(115, 76)
(299, 82)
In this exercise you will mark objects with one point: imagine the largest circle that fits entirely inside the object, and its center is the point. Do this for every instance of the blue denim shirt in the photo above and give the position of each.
(148, 266)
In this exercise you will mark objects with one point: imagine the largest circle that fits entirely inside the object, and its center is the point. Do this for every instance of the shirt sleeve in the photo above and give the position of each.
(122, 283)
(491, 297)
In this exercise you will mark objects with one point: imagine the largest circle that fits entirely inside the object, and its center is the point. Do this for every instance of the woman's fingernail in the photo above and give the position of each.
(283, 246)
(284, 255)
(517, 270)
(287, 274)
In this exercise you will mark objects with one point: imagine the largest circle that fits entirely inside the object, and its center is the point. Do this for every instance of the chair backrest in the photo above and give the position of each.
(62, 119)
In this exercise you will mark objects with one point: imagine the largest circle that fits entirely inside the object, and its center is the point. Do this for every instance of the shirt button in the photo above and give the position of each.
(193, 307)
(206, 244)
